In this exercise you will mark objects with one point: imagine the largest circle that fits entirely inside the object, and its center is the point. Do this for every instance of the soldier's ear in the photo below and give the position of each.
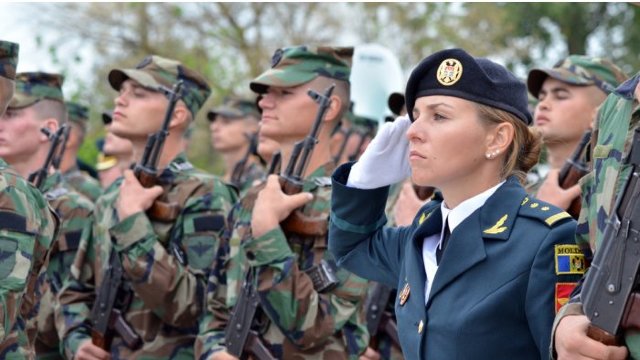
(335, 109)
(50, 124)
(181, 116)
(499, 138)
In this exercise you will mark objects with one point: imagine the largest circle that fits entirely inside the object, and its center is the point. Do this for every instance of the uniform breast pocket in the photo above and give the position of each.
(8, 250)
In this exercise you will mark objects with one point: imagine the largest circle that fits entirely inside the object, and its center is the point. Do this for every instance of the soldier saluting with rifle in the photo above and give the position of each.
(137, 283)
(276, 259)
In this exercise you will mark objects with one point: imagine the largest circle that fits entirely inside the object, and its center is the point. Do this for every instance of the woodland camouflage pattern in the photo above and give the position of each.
(8, 59)
(32, 87)
(302, 322)
(24, 244)
(74, 211)
(83, 183)
(168, 297)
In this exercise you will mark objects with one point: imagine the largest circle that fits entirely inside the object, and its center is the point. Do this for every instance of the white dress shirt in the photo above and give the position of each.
(454, 217)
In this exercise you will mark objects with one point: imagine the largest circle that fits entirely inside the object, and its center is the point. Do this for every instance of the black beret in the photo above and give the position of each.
(453, 72)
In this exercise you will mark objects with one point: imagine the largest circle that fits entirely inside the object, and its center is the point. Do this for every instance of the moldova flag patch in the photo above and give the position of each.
(569, 260)
(563, 293)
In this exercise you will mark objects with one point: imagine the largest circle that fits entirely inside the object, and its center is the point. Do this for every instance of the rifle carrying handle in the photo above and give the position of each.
(602, 336)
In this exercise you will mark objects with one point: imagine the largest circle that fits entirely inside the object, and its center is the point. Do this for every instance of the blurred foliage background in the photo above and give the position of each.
(230, 43)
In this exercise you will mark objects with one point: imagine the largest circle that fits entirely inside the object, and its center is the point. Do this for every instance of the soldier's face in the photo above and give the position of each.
(138, 111)
(229, 134)
(565, 111)
(20, 135)
(287, 113)
(267, 147)
(447, 142)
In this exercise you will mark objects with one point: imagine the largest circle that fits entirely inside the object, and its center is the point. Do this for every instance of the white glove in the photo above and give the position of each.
(386, 159)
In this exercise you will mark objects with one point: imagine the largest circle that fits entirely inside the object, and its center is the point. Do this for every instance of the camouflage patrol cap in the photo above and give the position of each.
(298, 65)
(579, 70)
(8, 59)
(155, 71)
(235, 107)
(78, 113)
(32, 87)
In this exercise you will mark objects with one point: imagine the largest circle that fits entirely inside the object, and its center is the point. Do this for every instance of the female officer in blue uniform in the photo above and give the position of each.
(481, 270)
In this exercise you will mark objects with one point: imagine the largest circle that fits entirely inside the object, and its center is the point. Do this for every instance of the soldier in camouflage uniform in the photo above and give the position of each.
(28, 227)
(301, 322)
(600, 188)
(164, 261)
(78, 116)
(38, 102)
(234, 127)
(568, 97)
(115, 154)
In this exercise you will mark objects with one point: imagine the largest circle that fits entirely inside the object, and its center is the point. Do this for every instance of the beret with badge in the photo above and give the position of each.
(235, 108)
(8, 59)
(32, 87)
(453, 72)
(154, 72)
(298, 65)
(579, 70)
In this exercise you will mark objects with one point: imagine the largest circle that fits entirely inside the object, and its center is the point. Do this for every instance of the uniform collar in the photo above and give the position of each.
(501, 209)
(464, 209)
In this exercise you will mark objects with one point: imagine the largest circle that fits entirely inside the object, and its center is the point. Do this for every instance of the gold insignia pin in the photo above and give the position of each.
(404, 294)
(534, 205)
(449, 72)
(422, 217)
(544, 208)
(497, 228)
(524, 201)
(420, 327)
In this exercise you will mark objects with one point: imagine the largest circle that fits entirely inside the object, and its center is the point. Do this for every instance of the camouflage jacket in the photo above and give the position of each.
(166, 294)
(28, 227)
(252, 172)
(617, 119)
(74, 211)
(302, 322)
(83, 183)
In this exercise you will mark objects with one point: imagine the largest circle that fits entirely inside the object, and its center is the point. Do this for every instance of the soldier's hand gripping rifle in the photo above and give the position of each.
(610, 291)
(573, 170)
(291, 180)
(146, 171)
(38, 177)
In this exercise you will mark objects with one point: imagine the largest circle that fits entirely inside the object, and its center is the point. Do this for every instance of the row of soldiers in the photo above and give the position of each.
(189, 266)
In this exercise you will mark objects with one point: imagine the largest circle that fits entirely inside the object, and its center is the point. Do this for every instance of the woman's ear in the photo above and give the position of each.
(499, 139)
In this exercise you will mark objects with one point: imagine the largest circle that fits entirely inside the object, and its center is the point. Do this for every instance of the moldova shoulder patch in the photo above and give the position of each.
(569, 260)
(563, 294)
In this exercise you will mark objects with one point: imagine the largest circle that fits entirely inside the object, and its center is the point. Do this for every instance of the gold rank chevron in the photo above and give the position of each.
(497, 228)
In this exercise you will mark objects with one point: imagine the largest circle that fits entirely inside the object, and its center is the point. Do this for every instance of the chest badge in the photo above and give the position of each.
(404, 294)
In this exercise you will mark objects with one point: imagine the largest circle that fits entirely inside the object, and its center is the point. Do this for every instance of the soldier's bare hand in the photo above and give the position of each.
(222, 355)
(370, 354)
(88, 351)
(273, 206)
(133, 197)
(407, 205)
(551, 192)
(572, 342)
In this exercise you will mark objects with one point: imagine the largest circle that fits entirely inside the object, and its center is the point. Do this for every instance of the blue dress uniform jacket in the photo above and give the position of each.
(494, 294)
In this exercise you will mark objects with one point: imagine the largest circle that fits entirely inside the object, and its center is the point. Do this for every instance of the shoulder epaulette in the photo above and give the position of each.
(55, 193)
(547, 213)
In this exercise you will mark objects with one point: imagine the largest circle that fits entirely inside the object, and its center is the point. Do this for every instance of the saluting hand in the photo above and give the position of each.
(134, 197)
(551, 192)
(273, 206)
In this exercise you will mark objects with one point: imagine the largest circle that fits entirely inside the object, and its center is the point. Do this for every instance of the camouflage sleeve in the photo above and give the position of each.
(174, 290)
(287, 295)
(75, 299)
(27, 228)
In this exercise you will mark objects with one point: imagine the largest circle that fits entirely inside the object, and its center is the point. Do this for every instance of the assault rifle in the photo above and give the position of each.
(146, 171)
(274, 165)
(62, 148)
(363, 137)
(379, 320)
(241, 166)
(38, 177)
(609, 294)
(106, 318)
(573, 170)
